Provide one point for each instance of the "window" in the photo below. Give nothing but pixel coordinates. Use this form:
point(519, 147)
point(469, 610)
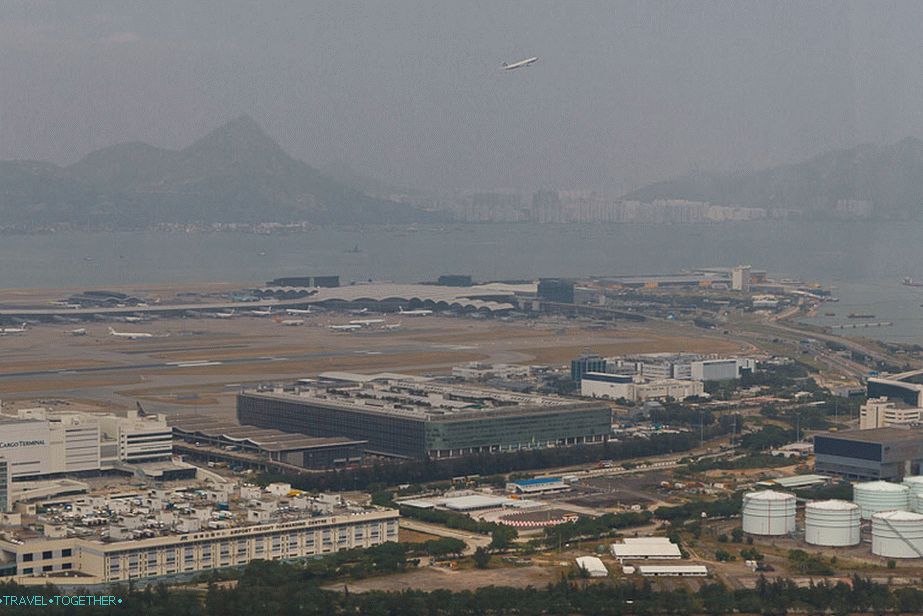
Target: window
point(47, 568)
point(46, 555)
point(66, 552)
point(66, 566)
point(27, 571)
point(27, 558)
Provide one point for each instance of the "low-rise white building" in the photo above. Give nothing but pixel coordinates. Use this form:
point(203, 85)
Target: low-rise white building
point(887, 412)
point(643, 548)
point(617, 386)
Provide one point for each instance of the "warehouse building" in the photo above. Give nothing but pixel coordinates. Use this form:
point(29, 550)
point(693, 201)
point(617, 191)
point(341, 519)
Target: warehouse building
point(881, 453)
point(403, 416)
point(232, 443)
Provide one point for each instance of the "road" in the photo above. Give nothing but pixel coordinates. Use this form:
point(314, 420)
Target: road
point(472, 540)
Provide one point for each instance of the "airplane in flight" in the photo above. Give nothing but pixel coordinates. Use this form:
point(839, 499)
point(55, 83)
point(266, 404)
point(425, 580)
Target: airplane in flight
point(414, 313)
point(345, 328)
point(520, 64)
point(130, 335)
point(296, 311)
point(366, 322)
point(14, 330)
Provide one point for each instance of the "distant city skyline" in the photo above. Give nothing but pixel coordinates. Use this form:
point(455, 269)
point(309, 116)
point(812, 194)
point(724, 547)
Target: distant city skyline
point(414, 94)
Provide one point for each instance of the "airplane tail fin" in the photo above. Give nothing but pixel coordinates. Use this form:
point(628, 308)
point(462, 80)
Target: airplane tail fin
point(111, 331)
point(504, 64)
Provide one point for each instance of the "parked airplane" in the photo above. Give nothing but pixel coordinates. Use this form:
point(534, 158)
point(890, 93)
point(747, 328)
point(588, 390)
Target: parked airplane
point(345, 328)
point(391, 325)
point(130, 335)
point(262, 313)
point(366, 322)
point(14, 330)
point(224, 315)
point(133, 319)
point(81, 331)
point(294, 311)
point(292, 322)
point(520, 64)
point(359, 311)
point(414, 313)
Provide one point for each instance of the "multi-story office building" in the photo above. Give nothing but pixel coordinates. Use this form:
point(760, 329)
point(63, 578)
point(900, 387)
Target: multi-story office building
point(885, 412)
point(409, 417)
point(556, 290)
point(586, 363)
point(5, 500)
point(909, 393)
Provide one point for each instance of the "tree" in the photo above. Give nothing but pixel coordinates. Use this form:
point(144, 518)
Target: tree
point(481, 558)
point(501, 537)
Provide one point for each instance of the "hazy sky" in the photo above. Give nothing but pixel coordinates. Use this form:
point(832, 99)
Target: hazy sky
point(412, 92)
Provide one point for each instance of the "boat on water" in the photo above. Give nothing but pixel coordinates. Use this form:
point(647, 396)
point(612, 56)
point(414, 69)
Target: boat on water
point(909, 282)
point(859, 315)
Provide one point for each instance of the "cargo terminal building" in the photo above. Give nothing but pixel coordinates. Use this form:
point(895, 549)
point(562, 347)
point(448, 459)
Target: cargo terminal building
point(880, 453)
point(416, 418)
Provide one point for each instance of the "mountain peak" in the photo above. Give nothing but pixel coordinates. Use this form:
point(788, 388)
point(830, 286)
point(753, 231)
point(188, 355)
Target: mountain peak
point(239, 140)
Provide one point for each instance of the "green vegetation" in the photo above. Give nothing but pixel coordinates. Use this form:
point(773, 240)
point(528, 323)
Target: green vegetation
point(809, 564)
point(293, 590)
point(460, 521)
point(743, 462)
point(594, 528)
point(481, 558)
point(720, 508)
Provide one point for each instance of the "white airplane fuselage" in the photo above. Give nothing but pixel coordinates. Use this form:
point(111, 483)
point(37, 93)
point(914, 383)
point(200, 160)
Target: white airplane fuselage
point(520, 64)
point(130, 335)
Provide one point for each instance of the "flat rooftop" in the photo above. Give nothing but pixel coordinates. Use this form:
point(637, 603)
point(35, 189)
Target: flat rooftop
point(426, 401)
point(192, 426)
point(877, 435)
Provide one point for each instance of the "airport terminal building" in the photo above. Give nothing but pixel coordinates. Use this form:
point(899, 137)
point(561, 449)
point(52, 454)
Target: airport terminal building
point(416, 418)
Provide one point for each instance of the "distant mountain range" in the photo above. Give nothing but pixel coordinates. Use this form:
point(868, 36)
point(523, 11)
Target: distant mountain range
point(889, 178)
point(236, 173)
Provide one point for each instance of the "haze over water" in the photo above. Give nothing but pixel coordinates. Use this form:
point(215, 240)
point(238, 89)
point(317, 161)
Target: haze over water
point(865, 262)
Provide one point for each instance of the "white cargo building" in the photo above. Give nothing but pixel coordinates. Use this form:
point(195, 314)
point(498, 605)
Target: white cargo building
point(37, 442)
point(618, 386)
point(593, 566)
point(644, 548)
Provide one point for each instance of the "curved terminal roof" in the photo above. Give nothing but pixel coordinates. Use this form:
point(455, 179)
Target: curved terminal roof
point(486, 297)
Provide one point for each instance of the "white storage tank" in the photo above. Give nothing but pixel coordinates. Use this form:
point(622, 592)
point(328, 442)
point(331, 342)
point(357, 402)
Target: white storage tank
point(897, 534)
point(831, 522)
point(769, 513)
point(875, 496)
point(915, 484)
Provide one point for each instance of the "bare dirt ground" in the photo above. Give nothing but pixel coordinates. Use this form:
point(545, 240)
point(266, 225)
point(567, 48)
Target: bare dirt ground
point(434, 578)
